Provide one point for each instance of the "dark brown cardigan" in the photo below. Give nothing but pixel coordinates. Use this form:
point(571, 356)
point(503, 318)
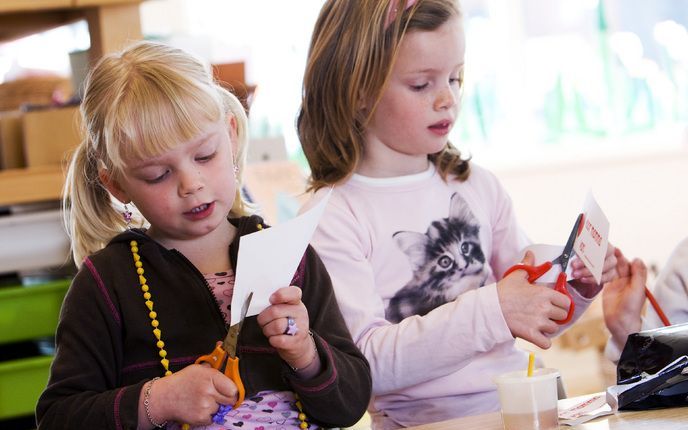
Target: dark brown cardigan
point(106, 349)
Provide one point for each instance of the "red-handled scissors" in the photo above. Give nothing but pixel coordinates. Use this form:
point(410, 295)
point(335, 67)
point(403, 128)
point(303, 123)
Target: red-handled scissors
point(535, 272)
point(224, 354)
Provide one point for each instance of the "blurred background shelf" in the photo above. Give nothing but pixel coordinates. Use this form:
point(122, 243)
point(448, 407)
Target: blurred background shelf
point(110, 22)
point(30, 190)
point(30, 185)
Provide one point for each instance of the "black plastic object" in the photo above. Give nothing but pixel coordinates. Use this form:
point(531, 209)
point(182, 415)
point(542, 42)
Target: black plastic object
point(648, 353)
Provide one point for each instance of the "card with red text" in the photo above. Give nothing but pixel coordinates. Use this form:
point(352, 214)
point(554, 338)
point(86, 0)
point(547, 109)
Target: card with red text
point(591, 244)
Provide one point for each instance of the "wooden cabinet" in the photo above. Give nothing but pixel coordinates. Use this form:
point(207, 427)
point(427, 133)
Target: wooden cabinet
point(112, 24)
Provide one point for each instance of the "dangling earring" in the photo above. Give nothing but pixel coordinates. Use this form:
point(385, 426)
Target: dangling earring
point(236, 173)
point(126, 214)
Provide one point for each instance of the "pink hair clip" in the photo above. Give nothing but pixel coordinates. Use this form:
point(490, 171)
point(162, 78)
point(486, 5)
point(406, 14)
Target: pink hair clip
point(392, 11)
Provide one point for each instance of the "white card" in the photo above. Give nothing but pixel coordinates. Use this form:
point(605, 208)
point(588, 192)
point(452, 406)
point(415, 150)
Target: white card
point(591, 244)
point(268, 259)
point(577, 410)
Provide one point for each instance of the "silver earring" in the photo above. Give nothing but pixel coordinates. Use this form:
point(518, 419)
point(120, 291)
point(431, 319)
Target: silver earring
point(126, 214)
point(236, 173)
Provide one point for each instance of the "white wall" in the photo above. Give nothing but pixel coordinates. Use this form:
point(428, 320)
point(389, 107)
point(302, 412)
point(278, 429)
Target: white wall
point(643, 195)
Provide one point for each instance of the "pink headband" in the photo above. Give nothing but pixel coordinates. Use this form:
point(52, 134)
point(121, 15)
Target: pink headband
point(392, 11)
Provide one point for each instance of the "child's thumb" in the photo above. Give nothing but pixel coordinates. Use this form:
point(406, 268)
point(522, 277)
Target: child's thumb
point(529, 258)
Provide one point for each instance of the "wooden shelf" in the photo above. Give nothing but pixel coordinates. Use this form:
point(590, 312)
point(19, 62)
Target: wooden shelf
point(23, 5)
point(111, 23)
point(30, 185)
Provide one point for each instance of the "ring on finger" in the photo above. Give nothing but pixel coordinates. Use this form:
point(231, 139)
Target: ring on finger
point(291, 329)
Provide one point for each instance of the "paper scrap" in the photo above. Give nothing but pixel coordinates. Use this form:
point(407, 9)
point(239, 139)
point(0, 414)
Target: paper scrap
point(580, 409)
point(268, 259)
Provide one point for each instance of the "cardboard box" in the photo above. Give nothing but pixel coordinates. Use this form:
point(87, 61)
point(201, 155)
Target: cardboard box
point(35, 90)
point(50, 135)
point(11, 140)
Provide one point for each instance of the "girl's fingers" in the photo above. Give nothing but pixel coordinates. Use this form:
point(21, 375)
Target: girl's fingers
point(557, 314)
point(639, 273)
point(226, 389)
point(286, 295)
point(623, 267)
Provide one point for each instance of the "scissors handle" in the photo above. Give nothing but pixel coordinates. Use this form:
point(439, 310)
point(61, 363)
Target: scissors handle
point(534, 272)
point(232, 372)
point(560, 286)
point(215, 359)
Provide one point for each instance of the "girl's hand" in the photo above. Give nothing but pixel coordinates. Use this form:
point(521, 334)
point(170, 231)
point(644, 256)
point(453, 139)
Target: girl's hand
point(609, 270)
point(623, 299)
point(297, 349)
point(190, 396)
point(530, 311)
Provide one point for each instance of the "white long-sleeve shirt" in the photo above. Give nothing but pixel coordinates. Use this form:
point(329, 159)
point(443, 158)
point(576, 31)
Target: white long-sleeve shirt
point(391, 244)
point(671, 290)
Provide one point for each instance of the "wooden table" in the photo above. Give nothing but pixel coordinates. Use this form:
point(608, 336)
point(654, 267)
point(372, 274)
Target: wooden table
point(660, 419)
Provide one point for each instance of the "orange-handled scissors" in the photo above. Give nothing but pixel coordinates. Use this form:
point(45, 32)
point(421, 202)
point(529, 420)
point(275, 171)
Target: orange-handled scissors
point(535, 272)
point(224, 354)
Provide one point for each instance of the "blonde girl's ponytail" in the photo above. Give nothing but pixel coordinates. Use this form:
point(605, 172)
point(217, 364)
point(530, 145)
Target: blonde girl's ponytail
point(89, 217)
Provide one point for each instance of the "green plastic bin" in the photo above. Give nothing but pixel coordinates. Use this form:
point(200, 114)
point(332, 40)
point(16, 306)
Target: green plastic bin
point(21, 383)
point(27, 313)
point(30, 312)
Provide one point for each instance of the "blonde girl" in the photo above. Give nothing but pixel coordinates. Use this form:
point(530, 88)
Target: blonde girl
point(153, 289)
point(415, 237)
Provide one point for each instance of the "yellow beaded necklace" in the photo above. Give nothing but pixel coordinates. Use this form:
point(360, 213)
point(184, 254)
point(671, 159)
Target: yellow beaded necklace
point(303, 424)
point(149, 304)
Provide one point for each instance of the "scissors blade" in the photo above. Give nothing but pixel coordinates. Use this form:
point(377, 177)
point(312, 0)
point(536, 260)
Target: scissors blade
point(232, 337)
point(563, 259)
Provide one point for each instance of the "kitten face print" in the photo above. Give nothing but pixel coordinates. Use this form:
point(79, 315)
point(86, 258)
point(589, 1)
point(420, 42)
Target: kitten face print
point(447, 260)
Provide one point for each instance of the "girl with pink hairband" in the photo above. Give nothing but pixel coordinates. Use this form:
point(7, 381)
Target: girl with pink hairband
point(415, 236)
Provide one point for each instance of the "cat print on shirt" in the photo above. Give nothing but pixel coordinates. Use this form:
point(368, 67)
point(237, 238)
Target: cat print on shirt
point(447, 260)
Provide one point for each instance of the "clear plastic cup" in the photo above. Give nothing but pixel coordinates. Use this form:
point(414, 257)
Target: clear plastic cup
point(529, 403)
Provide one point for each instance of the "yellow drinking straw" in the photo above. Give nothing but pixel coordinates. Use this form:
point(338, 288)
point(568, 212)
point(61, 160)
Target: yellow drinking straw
point(531, 362)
